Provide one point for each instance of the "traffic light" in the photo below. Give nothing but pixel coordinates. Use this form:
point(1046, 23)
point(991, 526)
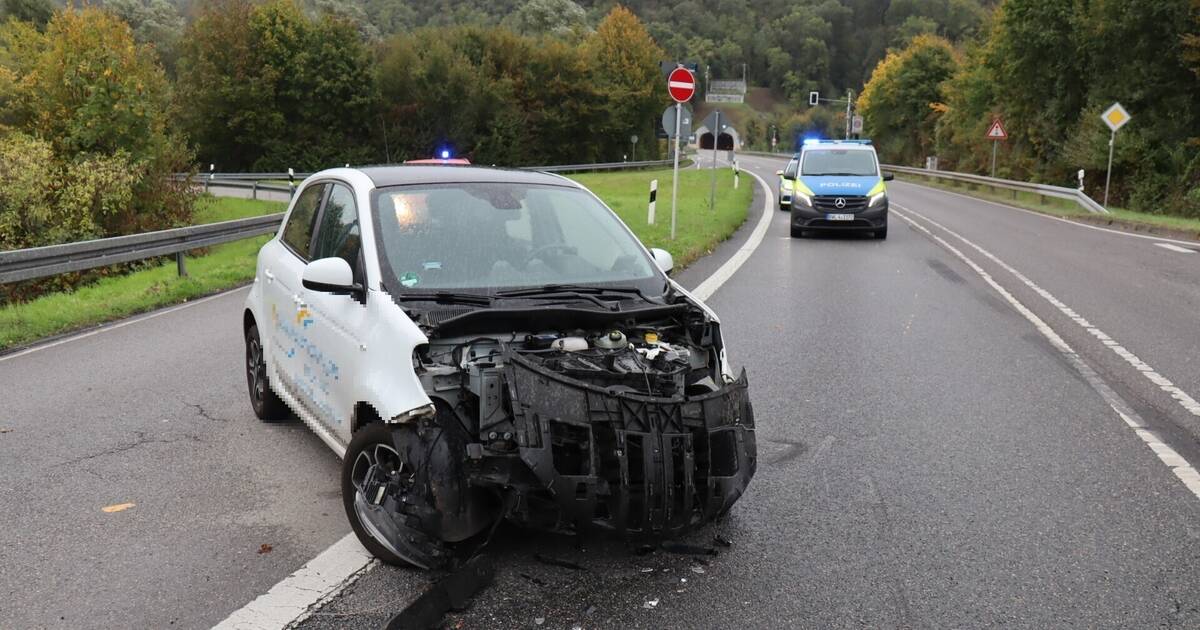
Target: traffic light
point(814, 98)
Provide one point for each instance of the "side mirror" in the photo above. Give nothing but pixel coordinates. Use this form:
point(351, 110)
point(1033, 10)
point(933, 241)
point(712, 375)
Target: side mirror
point(887, 177)
point(779, 173)
point(663, 259)
point(330, 275)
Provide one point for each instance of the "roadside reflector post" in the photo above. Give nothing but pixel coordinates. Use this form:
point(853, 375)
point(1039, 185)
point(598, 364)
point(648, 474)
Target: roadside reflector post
point(736, 173)
point(211, 167)
point(712, 192)
point(653, 198)
point(291, 182)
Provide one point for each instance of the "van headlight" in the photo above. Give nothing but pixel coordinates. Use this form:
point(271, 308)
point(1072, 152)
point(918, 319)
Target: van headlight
point(877, 200)
point(802, 198)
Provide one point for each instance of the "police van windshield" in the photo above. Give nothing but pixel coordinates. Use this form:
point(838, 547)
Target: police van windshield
point(483, 236)
point(845, 162)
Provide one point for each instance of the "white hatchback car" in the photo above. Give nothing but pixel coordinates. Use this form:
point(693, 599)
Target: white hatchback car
point(482, 344)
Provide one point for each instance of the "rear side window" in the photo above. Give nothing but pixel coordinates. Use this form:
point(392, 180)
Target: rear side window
point(298, 232)
point(339, 234)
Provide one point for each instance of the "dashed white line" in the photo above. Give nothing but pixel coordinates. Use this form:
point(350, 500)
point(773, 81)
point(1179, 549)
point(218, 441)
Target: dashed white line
point(1176, 248)
point(298, 595)
point(1173, 460)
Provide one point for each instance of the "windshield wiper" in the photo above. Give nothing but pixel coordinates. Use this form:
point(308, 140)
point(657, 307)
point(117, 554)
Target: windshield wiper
point(447, 297)
point(572, 288)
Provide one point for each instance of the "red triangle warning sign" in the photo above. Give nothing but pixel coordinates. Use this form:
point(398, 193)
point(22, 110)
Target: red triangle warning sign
point(996, 131)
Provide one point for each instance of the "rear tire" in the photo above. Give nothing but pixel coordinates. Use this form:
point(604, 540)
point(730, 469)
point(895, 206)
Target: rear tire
point(266, 403)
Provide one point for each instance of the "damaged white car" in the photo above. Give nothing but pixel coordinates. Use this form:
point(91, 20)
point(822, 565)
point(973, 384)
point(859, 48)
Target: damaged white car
point(484, 344)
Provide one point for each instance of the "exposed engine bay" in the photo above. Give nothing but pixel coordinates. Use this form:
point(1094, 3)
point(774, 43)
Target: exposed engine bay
point(626, 422)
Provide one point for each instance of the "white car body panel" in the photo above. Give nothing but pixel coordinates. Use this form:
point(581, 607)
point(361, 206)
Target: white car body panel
point(345, 352)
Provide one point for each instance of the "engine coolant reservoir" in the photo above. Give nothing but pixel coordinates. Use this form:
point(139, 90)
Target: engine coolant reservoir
point(612, 340)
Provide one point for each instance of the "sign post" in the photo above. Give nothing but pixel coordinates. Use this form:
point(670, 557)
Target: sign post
point(633, 148)
point(681, 84)
point(996, 133)
point(712, 193)
point(1115, 117)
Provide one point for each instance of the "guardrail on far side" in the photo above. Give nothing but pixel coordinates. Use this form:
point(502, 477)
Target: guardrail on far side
point(995, 183)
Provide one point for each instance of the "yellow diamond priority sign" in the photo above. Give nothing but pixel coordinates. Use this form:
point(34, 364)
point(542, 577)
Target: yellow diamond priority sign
point(1115, 117)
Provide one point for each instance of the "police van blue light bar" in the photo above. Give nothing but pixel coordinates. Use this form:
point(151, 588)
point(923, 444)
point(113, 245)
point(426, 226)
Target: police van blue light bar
point(811, 141)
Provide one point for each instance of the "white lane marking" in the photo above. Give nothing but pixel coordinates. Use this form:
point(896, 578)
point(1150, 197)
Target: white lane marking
point(1176, 248)
point(705, 289)
point(1052, 217)
point(120, 324)
point(1178, 465)
point(1163, 383)
point(344, 562)
point(295, 598)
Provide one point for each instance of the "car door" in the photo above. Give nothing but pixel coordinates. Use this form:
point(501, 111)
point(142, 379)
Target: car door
point(337, 323)
point(282, 272)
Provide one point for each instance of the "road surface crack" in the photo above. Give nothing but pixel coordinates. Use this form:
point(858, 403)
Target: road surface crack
point(140, 439)
point(203, 413)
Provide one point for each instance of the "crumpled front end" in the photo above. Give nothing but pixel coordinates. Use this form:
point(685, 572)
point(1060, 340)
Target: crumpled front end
point(629, 462)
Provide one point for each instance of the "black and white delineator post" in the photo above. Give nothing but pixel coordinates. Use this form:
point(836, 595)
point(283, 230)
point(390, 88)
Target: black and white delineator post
point(712, 193)
point(653, 200)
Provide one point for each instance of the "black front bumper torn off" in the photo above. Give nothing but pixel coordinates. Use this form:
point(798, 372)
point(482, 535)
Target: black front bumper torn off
point(631, 463)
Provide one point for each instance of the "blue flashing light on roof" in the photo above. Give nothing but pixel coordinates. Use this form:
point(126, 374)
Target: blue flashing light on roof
point(445, 154)
point(811, 141)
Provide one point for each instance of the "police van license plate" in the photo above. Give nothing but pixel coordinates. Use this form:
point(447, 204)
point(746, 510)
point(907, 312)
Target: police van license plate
point(839, 217)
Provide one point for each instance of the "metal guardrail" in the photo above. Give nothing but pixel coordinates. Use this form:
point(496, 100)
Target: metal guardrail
point(43, 262)
point(557, 168)
point(995, 183)
point(1061, 192)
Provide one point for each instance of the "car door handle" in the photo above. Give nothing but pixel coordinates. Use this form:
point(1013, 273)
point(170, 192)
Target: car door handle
point(270, 276)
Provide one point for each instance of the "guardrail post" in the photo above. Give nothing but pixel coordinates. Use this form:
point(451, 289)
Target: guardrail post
point(180, 265)
point(254, 190)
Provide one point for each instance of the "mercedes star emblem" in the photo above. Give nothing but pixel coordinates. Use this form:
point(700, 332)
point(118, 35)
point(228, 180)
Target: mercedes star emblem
point(840, 202)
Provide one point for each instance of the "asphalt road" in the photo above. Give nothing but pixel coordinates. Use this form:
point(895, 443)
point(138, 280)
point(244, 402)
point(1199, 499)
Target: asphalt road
point(928, 457)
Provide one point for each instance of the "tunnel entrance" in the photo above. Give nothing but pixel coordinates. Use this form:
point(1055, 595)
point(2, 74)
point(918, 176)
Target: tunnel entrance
point(724, 141)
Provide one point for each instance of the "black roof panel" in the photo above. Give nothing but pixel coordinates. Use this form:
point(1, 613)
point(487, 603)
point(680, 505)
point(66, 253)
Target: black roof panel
point(401, 175)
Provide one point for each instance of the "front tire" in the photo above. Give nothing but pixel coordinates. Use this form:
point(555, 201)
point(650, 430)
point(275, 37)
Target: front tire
point(266, 403)
point(797, 232)
point(881, 234)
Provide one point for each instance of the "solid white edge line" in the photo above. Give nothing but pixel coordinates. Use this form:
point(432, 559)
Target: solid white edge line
point(296, 597)
point(120, 324)
point(1051, 217)
point(705, 289)
point(300, 594)
point(1186, 473)
point(1185, 400)
point(1176, 248)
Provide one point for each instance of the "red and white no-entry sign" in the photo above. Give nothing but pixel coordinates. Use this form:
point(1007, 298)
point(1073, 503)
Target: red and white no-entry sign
point(681, 84)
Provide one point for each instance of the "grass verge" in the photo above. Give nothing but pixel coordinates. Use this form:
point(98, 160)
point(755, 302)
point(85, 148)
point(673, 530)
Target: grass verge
point(1119, 218)
point(226, 266)
point(697, 229)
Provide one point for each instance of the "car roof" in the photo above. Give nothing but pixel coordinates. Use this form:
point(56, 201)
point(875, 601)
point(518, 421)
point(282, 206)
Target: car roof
point(407, 174)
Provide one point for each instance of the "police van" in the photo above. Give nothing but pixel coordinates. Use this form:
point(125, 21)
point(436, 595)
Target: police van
point(837, 185)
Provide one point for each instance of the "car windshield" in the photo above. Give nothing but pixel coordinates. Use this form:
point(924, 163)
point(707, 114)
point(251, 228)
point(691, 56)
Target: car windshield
point(483, 236)
point(847, 162)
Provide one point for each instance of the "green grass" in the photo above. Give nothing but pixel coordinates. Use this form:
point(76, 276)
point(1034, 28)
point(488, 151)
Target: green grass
point(222, 267)
point(1117, 217)
point(697, 228)
point(232, 264)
